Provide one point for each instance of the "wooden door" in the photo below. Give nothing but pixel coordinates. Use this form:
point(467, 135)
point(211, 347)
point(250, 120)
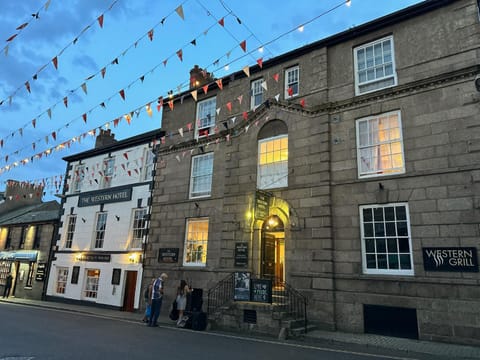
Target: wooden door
point(130, 286)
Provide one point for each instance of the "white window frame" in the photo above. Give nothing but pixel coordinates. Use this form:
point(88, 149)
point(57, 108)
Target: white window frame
point(292, 79)
point(385, 239)
point(201, 175)
point(100, 229)
point(380, 69)
point(379, 142)
point(196, 243)
point(78, 177)
point(139, 227)
point(256, 90)
point(62, 280)
point(70, 230)
point(148, 164)
point(92, 277)
point(266, 179)
point(108, 172)
point(206, 115)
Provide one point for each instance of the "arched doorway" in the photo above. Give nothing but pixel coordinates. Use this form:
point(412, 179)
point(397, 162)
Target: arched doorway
point(273, 249)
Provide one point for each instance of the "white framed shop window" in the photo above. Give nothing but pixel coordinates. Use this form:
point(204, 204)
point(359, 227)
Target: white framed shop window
point(91, 283)
point(61, 281)
point(196, 242)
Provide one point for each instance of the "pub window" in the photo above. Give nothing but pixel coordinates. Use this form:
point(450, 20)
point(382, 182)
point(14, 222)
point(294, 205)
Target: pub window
point(196, 241)
point(91, 283)
point(71, 223)
point(62, 277)
point(139, 227)
point(100, 226)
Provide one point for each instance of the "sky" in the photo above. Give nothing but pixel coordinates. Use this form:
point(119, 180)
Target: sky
point(71, 67)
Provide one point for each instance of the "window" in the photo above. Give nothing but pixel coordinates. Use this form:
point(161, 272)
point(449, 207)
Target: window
point(292, 76)
point(8, 240)
point(273, 162)
point(38, 236)
point(206, 111)
point(23, 236)
point(31, 272)
point(139, 227)
point(148, 164)
point(380, 145)
point(201, 176)
point(71, 223)
point(91, 283)
point(386, 243)
point(257, 94)
point(374, 66)
point(100, 226)
point(78, 176)
point(196, 240)
point(108, 170)
point(62, 277)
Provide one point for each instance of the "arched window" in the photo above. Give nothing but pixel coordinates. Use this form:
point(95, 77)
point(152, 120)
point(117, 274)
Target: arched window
point(272, 166)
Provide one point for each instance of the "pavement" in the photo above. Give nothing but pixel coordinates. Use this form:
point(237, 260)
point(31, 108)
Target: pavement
point(409, 346)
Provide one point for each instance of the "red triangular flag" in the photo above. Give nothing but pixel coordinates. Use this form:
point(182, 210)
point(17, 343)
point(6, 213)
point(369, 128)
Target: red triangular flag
point(27, 85)
point(170, 104)
point(275, 77)
point(115, 122)
point(220, 84)
point(55, 62)
point(245, 115)
point(103, 71)
point(54, 135)
point(150, 35)
point(12, 37)
point(222, 21)
point(229, 106)
point(84, 116)
point(243, 45)
point(302, 103)
point(260, 62)
point(100, 21)
point(34, 122)
point(122, 94)
point(23, 26)
point(205, 89)
point(180, 54)
point(65, 101)
point(290, 91)
point(125, 155)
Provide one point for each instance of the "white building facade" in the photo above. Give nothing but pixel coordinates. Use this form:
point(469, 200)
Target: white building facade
point(104, 223)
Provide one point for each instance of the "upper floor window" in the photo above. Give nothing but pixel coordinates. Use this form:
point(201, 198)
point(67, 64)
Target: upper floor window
point(8, 240)
point(108, 171)
point(37, 237)
point(386, 243)
point(196, 241)
point(100, 226)
point(201, 175)
point(23, 237)
point(206, 111)
point(148, 158)
point(78, 176)
point(257, 93)
point(374, 66)
point(380, 145)
point(273, 162)
point(71, 223)
point(292, 78)
point(139, 227)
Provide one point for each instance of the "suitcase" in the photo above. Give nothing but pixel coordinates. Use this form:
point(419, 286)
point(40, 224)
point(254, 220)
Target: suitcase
point(199, 321)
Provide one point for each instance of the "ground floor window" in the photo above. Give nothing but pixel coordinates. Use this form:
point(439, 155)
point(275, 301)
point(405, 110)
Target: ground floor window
point(31, 268)
point(5, 267)
point(196, 241)
point(91, 283)
point(62, 277)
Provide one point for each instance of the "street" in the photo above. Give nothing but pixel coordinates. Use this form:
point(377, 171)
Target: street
point(38, 333)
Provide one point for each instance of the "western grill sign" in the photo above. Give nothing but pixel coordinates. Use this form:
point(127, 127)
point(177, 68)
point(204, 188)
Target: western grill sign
point(450, 259)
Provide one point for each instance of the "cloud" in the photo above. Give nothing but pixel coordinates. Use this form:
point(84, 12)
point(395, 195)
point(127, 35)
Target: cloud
point(85, 61)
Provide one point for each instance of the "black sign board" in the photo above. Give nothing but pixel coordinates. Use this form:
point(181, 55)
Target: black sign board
point(168, 255)
point(116, 276)
point(94, 257)
point(111, 195)
point(75, 272)
point(40, 274)
point(261, 290)
point(242, 286)
point(241, 254)
point(262, 204)
point(450, 259)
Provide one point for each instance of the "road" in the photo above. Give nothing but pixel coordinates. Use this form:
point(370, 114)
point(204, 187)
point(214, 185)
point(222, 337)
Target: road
point(36, 333)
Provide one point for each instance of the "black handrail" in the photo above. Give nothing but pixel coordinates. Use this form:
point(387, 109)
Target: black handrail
point(220, 294)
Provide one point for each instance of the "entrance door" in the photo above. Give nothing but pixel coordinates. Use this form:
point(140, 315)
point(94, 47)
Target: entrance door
point(129, 296)
point(273, 249)
point(268, 261)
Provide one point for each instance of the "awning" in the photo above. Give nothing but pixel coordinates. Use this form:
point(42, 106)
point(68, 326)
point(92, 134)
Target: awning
point(20, 255)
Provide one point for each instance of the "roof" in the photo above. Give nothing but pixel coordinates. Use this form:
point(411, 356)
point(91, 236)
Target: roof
point(38, 213)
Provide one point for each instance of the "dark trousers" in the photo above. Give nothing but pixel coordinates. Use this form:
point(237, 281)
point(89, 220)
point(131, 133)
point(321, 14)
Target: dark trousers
point(6, 291)
point(155, 311)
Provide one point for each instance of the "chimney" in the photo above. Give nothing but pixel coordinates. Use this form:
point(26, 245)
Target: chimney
point(106, 137)
point(199, 77)
point(18, 194)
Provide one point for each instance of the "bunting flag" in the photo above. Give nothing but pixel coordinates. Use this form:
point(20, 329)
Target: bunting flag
point(275, 77)
point(84, 88)
point(205, 89)
point(180, 54)
point(55, 62)
point(264, 85)
point(84, 116)
point(219, 84)
point(150, 35)
point(194, 94)
point(222, 21)
point(103, 71)
point(54, 135)
point(277, 97)
point(302, 103)
point(34, 123)
point(122, 94)
point(180, 131)
point(245, 115)
point(49, 113)
point(170, 104)
point(65, 101)
point(27, 85)
point(149, 110)
point(229, 106)
point(240, 98)
point(193, 42)
point(12, 37)
point(100, 21)
point(179, 11)
point(165, 62)
point(246, 70)
point(125, 155)
point(243, 45)
point(260, 62)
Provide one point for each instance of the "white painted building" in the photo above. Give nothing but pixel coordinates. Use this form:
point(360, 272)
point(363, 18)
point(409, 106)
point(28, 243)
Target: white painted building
point(104, 223)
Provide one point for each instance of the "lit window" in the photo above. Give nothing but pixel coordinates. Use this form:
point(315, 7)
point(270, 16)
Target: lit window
point(196, 241)
point(78, 176)
point(273, 162)
point(380, 145)
point(108, 171)
point(100, 227)
point(139, 227)
point(374, 66)
point(386, 243)
point(201, 176)
point(206, 111)
point(91, 283)
point(31, 272)
point(62, 277)
point(257, 93)
point(292, 78)
point(71, 223)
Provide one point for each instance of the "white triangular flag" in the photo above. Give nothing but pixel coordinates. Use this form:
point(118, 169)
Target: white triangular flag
point(264, 85)
point(277, 97)
point(180, 131)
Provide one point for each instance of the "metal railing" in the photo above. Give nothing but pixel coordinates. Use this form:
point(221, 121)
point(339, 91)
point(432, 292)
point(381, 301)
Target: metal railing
point(220, 294)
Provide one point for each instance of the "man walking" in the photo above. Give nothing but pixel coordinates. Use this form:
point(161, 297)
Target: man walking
point(8, 285)
point(156, 299)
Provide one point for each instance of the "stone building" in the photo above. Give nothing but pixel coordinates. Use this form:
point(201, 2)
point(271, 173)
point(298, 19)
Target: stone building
point(28, 227)
point(104, 223)
point(347, 168)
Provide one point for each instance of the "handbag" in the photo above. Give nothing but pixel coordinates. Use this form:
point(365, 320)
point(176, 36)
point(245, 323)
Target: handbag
point(173, 315)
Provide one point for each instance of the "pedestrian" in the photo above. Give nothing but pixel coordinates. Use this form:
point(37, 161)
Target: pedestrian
point(156, 299)
point(147, 295)
point(8, 285)
point(183, 291)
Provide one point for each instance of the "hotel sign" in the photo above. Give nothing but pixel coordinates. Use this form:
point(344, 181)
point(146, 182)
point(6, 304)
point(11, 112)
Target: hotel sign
point(94, 257)
point(450, 259)
point(262, 204)
point(106, 196)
